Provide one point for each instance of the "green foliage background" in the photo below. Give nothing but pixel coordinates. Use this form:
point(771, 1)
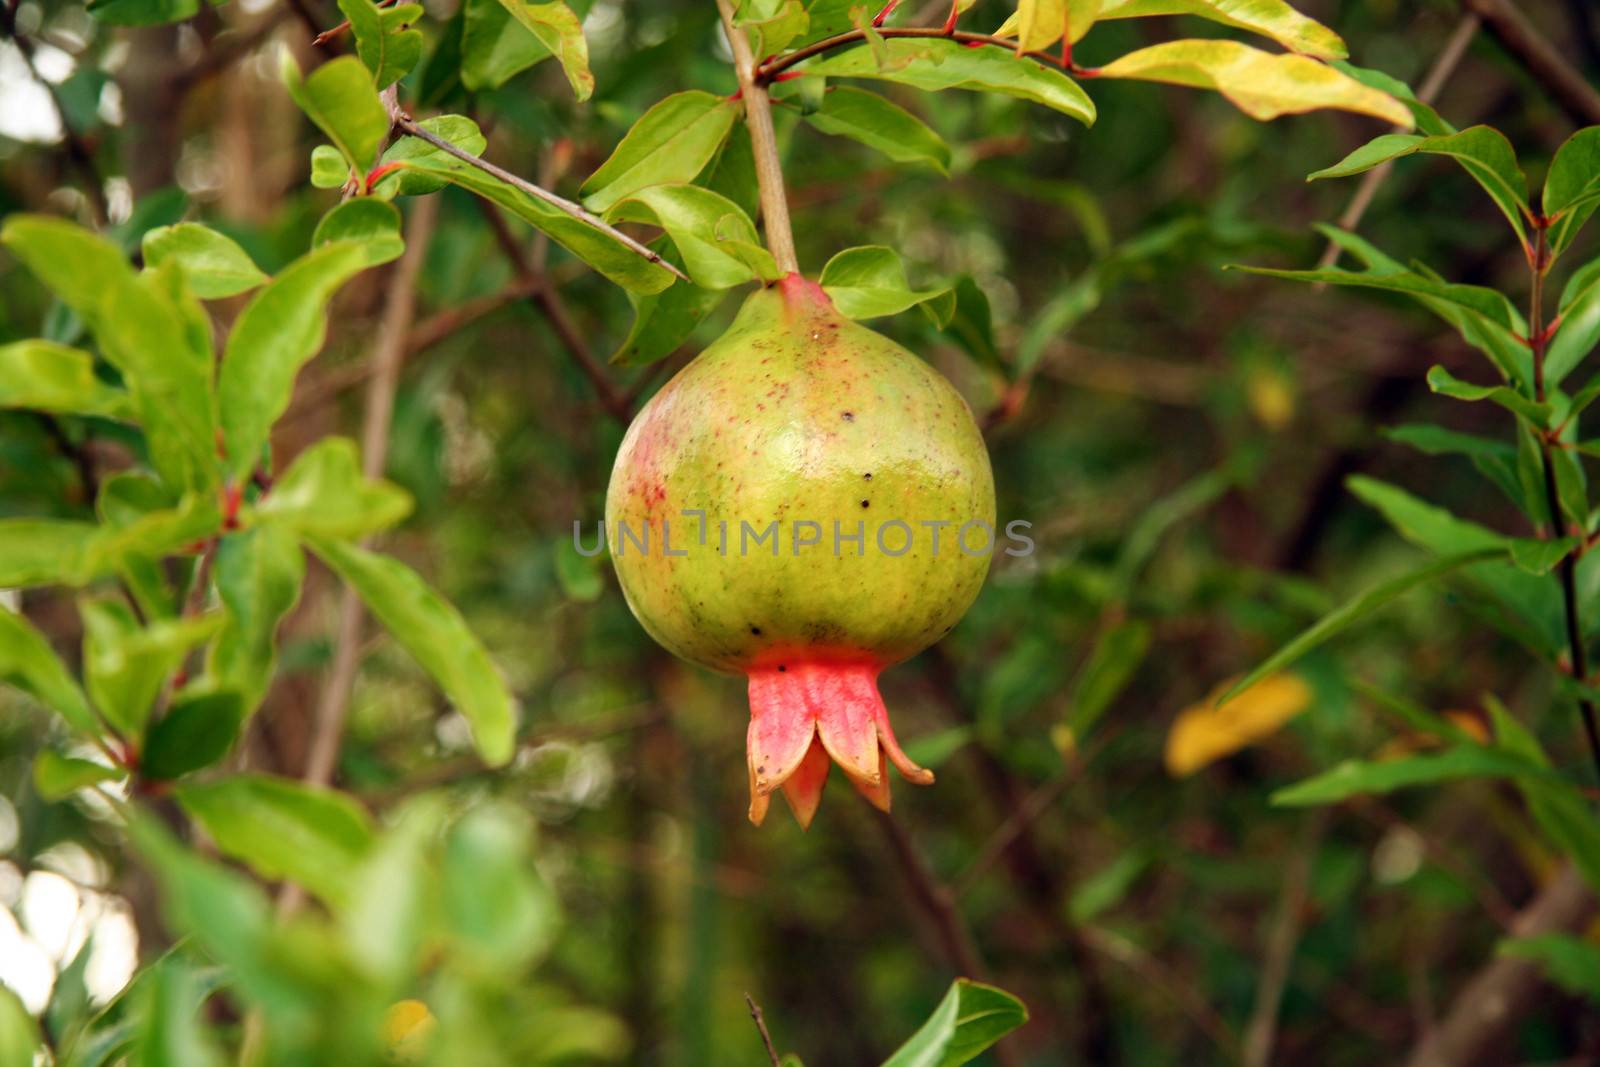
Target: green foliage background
point(1179, 437)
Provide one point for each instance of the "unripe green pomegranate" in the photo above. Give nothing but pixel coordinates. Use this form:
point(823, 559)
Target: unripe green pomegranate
point(805, 504)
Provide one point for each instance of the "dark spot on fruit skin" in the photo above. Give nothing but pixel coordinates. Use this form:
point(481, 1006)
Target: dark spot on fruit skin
point(866, 503)
point(867, 476)
point(781, 668)
point(756, 630)
point(849, 416)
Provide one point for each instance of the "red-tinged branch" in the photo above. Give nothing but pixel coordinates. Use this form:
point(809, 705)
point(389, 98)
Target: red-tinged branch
point(768, 71)
point(1567, 572)
point(764, 142)
point(409, 127)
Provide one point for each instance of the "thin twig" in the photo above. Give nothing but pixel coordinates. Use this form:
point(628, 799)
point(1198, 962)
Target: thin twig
point(1261, 1031)
point(560, 203)
point(1443, 66)
point(1565, 83)
point(1503, 991)
point(545, 297)
point(387, 352)
point(766, 72)
point(764, 143)
point(761, 1025)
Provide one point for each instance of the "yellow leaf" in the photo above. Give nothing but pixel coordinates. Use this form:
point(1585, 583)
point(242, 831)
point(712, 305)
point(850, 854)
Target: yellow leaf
point(1263, 85)
point(1206, 732)
point(1271, 398)
point(1038, 24)
point(407, 1026)
point(1270, 18)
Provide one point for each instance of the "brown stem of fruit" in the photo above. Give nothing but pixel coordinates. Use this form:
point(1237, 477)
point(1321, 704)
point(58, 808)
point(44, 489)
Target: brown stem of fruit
point(764, 141)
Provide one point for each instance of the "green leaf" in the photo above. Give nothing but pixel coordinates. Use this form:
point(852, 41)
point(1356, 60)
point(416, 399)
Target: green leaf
point(284, 829)
point(971, 323)
point(227, 915)
point(701, 224)
point(196, 732)
point(282, 327)
point(1572, 187)
point(1443, 382)
point(43, 376)
point(1579, 330)
point(578, 575)
point(324, 493)
point(595, 246)
point(557, 28)
point(772, 24)
point(328, 168)
point(141, 332)
point(1571, 962)
point(1117, 654)
point(1359, 778)
point(1105, 887)
point(436, 635)
point(259, 574)
point(1427, 119)
point(142, 12)
point(935, 63)
point(1269, 18)
point(1261, 84)
point(1424, 524)
point(385, 44)
point(880, 124)
point(369, 223)
point(457, 129)
point(43, 551)
point(1482, 151)
point(171, 1030)
point(663, 321)
point(671, 143)
point(57, 777)
point(493, 47)
point(870, 281)
point(19, 1033)
point(340, 98)
point(497, 910)
point(125, 665)
point(971, 1017)
point(391, 908)
point(1353, 611)
point(213, 263)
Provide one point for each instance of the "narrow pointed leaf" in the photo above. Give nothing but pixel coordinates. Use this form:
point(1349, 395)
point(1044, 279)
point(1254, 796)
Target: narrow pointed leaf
point(881, 124)
point(671, 143)
point(213, 263)
point(41, 375)
point(436, 635)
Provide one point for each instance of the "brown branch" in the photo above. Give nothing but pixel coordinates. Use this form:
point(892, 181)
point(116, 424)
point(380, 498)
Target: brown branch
point(435, 328)
point(1432, 85)
point(1261, 1031)
point(1505, 988)
point(545, 297)
point(761, 1025)
point(560, 203)
point(387, 351)
point(764, 142)
point(1519, 36)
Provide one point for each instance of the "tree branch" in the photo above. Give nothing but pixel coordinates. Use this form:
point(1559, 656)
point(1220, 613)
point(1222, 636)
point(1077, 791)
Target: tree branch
point(561, 203)
point(1503, 990)
point(768, 71)
point(1519, 36)
point(1444, 66)
point(761, 1025)
point(387, 352)
point(545, 297)
point(764, 141)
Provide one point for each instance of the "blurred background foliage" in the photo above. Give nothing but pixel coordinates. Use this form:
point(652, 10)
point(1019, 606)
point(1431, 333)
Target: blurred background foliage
point(1179, 448)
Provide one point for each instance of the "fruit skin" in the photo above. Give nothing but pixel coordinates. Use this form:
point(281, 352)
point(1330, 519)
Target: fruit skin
point(799, 415)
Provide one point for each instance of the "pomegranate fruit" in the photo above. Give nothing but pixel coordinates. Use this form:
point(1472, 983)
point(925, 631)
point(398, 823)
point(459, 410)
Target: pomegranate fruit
point(802, 505)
